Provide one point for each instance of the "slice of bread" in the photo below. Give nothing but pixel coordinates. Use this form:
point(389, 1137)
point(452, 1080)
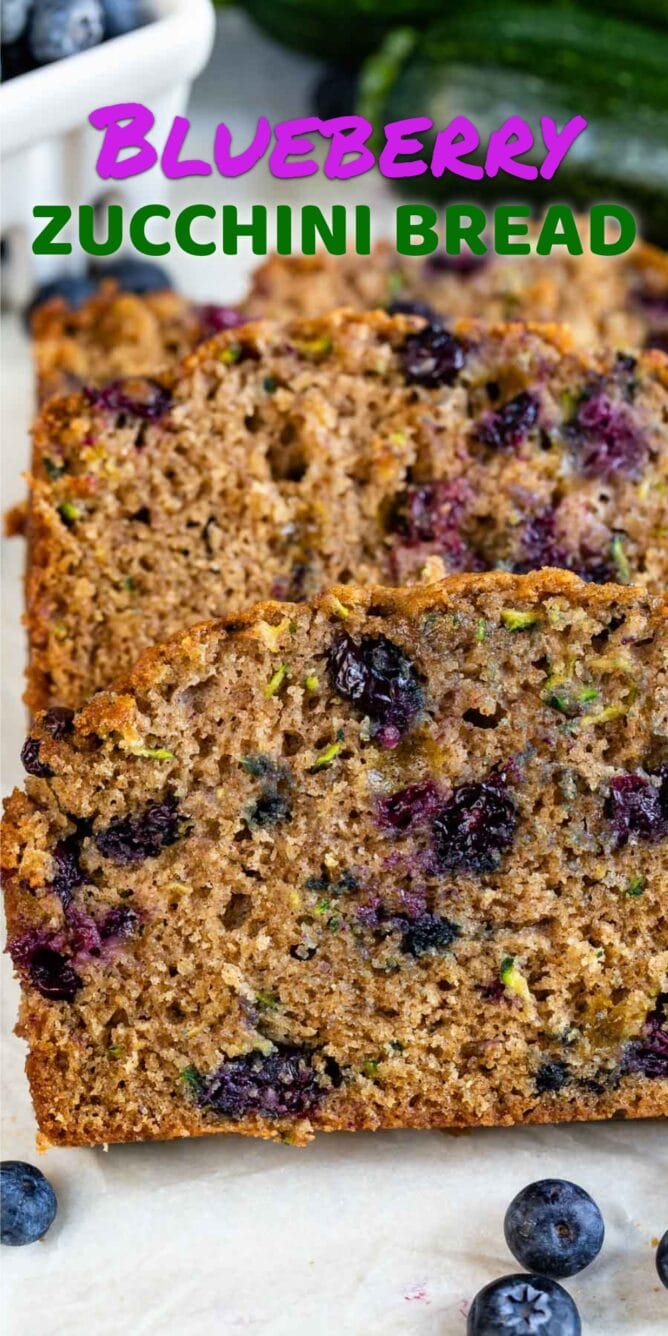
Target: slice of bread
point(620, 302)
point(388, 859)
point(279, 458)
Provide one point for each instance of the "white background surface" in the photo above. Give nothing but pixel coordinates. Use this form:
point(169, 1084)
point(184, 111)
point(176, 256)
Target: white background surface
point(369, 1235)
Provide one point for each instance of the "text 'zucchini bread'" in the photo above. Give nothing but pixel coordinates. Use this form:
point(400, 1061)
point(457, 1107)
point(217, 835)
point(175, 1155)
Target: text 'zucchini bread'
point(620, 302)
point(388, 859)
point(280, 458)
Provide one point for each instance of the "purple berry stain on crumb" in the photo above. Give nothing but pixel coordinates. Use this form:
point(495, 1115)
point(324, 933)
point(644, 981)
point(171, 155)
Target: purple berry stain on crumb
point(476, 827)
point(637, 807)
point(432, 357)
point(541, 545)
point(380, 680)
point(214, 318)
point(428, 934)
point(280, 1084)
point(120, 923)
point(606, 437)
point(141, 398)
point(509, 426)
point(131, 839)
point(83, 934)
point(648, 1054)
point(428, 518)
point(409, 808)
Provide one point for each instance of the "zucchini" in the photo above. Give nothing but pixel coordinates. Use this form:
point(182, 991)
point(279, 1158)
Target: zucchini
point(646, 11)
point(488, 63)
point(342, 32)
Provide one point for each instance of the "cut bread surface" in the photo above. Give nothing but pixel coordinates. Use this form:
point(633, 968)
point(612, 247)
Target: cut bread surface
point(280, 457)
point(386, 859)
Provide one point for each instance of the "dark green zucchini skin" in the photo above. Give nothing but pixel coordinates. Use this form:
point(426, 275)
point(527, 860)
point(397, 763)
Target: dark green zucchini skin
point(489, 62)
point(645, 11)
point(342, 32)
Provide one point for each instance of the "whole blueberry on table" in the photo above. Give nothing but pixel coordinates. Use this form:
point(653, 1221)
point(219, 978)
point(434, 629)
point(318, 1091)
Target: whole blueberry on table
point(662, 1260)
point(13, 19)
point(139, 276)
point(554, 1227)
point(523, 1305)
point(121, 16)
point(28, 1203)
point(61, 28)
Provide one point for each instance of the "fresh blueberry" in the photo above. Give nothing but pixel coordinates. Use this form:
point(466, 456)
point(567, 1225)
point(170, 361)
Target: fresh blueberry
point(61, 28)
point(637, 807)
point(282, 1083)
point(17, 58)
point(121, 16)
point(554, 1227)
point(648, 1055)
point(13, 19)
point(475, 828)
point(72, 290)
point(131, 839)
point(335, 92)
point(139, 276)
point(429, 934)
point(377, 677)
point(523, 1305)
point(432, 357)
point(662, 1260)
point(28, 1203)
point(508, 427)
point(141, 397)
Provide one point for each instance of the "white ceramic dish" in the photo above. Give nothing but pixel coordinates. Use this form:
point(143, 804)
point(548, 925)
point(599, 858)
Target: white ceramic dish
point(48, 147)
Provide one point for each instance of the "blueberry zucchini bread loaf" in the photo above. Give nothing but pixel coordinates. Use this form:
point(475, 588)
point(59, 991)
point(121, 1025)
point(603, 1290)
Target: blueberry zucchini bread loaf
point(387, 859)
point(620, 302)
point(280, 458)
